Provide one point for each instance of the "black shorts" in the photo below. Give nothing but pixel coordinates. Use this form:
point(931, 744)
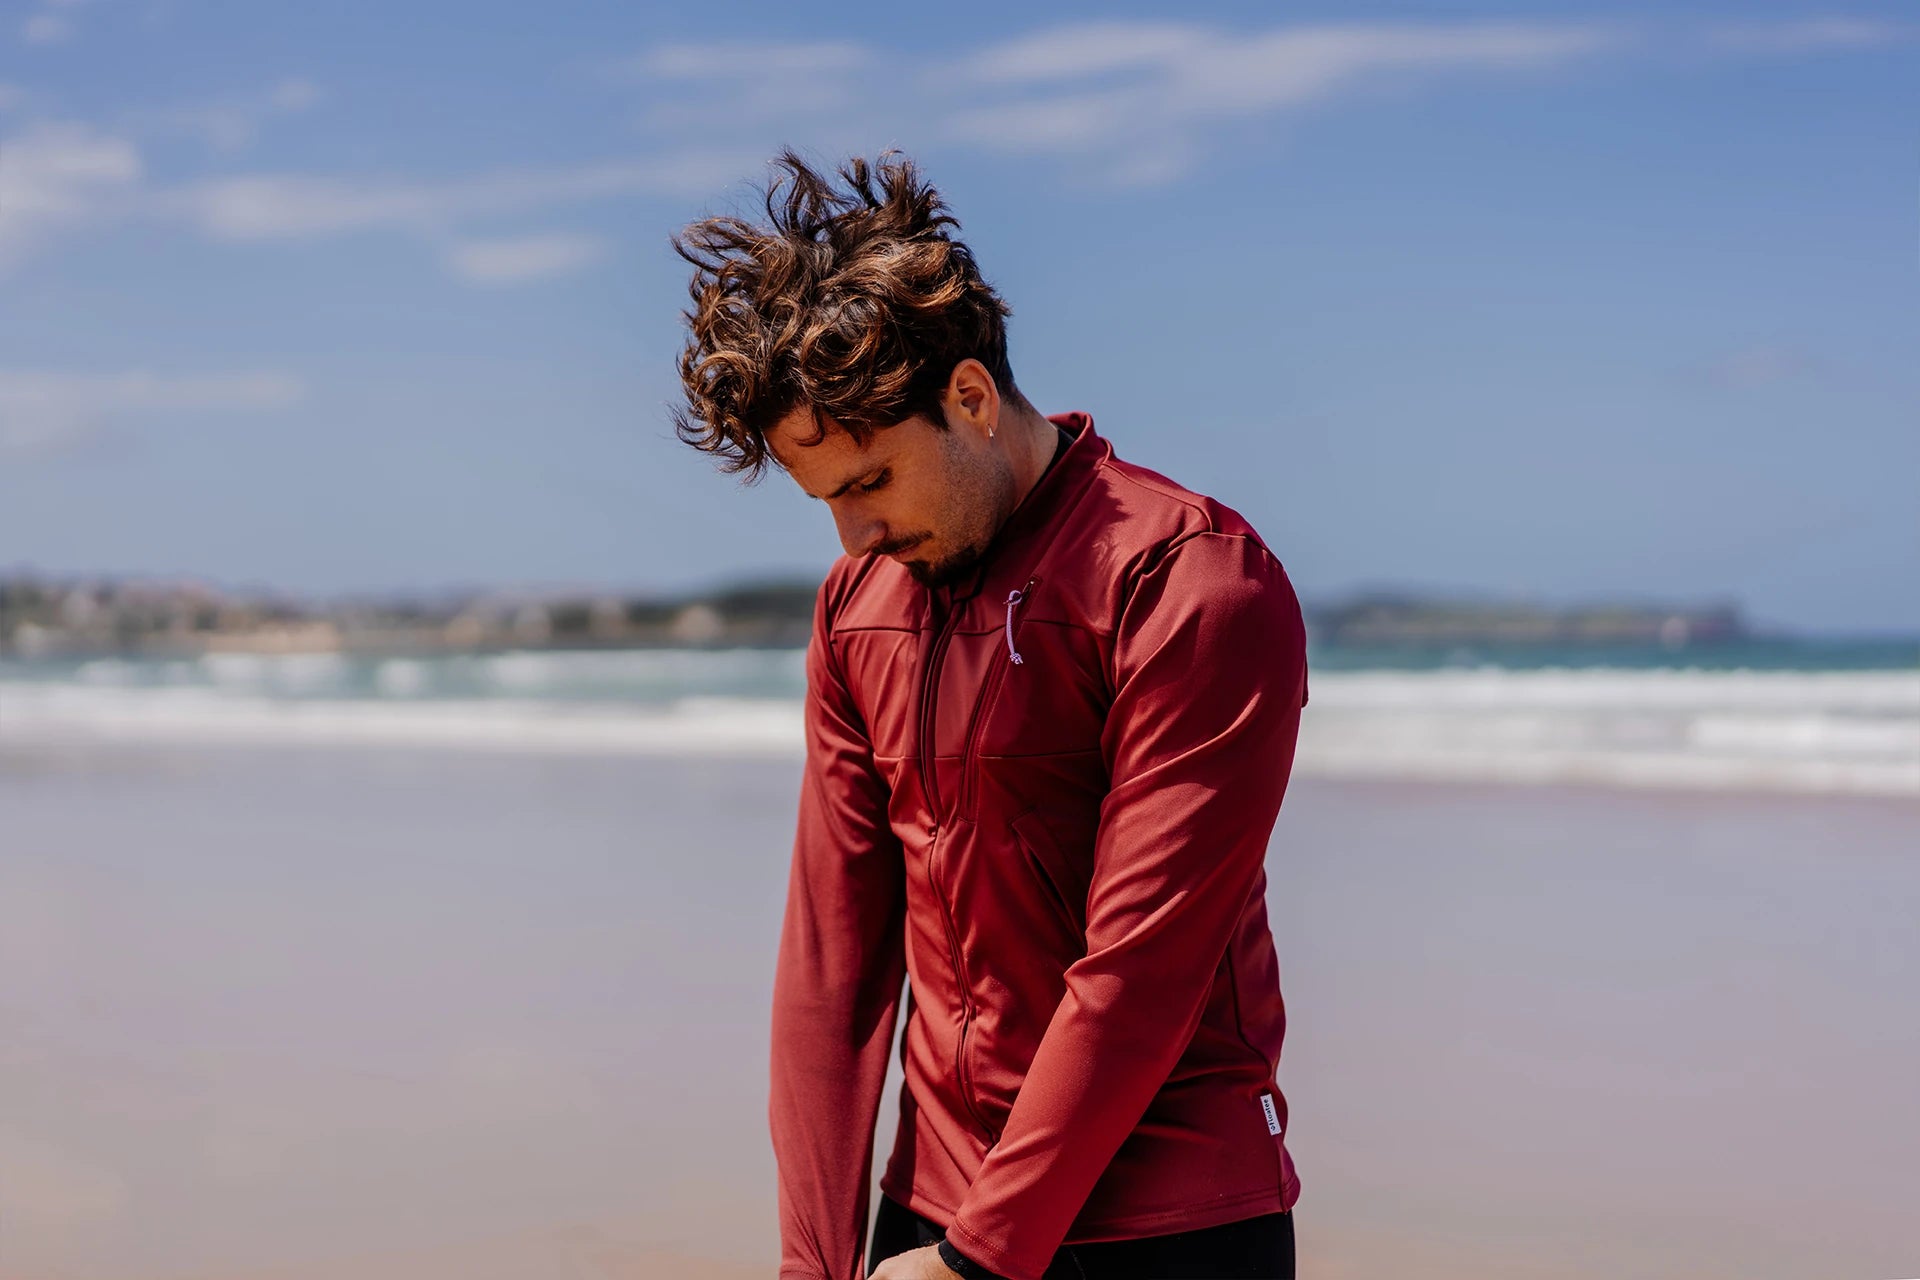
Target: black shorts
point(1258, 1248)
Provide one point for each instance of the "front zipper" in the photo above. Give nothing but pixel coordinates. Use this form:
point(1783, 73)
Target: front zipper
point(960, 1073)
point(929, 682)
point(1004, 658)
point(929, 782)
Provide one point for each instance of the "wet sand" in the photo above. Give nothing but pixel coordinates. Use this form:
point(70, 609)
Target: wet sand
point(318, 1013)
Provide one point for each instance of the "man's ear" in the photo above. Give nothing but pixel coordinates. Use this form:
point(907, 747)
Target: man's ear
point(972, 401)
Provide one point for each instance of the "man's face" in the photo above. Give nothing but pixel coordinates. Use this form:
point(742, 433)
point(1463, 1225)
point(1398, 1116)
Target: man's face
point(929, 498)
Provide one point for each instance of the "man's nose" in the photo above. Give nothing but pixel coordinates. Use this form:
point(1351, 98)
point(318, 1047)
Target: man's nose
point(859, 534)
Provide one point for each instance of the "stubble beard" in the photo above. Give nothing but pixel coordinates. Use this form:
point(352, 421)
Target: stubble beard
point(991, 489)
point(945, 572)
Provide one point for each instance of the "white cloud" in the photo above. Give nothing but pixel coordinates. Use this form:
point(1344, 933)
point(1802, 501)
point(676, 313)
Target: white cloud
point(54, 176)
point(296, 206)
point(748, 60)
point(294, 95)
point(1137, 100)
point(728, 84)
point(222, 128)
point(1061, 122)
point(1286, 68)
point(1759, 365)
point(1134, 90)
point(1812, 36)
point(520, 258)
point(232, 123)
point(1133, 98)
point(291, 206)
point(1133, 102)
point(48, 26)
point(1083, 49)
point(45, 28)
point(41, 412)
point(58, 177)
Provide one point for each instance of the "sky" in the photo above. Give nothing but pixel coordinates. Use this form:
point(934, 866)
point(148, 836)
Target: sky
point(1534, 301)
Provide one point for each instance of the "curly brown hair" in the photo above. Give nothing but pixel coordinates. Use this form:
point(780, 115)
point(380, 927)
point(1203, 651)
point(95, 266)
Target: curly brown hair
point(856, 303)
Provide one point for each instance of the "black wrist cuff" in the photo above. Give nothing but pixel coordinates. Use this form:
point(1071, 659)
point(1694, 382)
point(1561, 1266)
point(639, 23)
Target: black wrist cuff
point(961, 1265)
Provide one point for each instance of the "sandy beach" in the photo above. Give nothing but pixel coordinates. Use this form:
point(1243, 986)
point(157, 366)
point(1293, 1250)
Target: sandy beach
point(300, 1013)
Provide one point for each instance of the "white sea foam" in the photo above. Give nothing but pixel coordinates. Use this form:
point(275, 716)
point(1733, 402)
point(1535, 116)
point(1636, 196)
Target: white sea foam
point(723, 726)
point(636, 670)
point(294, 673)
point(1837, 732)
point(1855, 732)
point(403, 677)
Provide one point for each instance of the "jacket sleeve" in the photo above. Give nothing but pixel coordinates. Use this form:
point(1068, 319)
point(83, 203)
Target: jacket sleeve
point(837, 983)
point(1209, 672)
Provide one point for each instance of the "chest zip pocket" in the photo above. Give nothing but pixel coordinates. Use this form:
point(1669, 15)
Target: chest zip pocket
point(1013, 601)
point(970, 762)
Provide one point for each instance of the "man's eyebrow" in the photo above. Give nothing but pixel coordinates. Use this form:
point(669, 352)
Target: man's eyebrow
point(870, 471)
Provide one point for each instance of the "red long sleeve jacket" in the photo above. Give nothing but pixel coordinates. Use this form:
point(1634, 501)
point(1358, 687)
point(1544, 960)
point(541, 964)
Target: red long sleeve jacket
point(1044, 795)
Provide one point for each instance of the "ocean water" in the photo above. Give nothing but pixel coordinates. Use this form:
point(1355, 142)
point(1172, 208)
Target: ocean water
point(1786, 716)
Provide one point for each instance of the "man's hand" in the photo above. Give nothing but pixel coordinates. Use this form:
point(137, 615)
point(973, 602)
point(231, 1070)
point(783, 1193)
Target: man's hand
point(915, 1264)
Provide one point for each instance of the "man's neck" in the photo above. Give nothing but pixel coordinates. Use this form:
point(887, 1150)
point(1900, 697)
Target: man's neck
point(1033, 446)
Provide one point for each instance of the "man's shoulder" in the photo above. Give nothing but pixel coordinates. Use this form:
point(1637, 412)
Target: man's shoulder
point(1159, 508)
point(1200, 556)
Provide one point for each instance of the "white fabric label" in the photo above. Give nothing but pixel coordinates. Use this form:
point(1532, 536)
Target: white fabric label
point(1273, 1118)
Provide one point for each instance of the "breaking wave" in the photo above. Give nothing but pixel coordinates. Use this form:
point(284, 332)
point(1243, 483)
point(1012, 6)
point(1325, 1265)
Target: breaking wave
point(1802, 731)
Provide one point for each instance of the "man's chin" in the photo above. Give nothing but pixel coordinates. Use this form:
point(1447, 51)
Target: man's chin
point(940, 573)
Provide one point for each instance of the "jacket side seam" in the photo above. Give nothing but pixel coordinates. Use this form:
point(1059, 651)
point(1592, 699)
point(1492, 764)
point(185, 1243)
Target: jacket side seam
point(1273, 1067)
point(1239, 1017)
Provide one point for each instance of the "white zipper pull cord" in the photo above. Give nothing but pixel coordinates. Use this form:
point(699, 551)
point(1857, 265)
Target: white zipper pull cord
point(1014, 598)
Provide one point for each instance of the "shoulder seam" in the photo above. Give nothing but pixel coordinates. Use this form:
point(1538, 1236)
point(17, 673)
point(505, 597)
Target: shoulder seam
point(1182, 497)
point(1192, 535)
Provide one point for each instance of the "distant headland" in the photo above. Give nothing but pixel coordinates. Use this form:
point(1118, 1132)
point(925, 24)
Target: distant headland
point(48, 616)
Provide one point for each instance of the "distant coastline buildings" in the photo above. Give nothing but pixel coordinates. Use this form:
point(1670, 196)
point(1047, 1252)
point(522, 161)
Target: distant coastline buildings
point(48, 617)
point(1383, 619)
point(55, 617)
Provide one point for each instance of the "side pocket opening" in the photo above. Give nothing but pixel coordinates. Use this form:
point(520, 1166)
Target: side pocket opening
point(1049, 869)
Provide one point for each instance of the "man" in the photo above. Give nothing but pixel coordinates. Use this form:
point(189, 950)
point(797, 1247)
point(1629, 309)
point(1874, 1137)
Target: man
point(1051, 708)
